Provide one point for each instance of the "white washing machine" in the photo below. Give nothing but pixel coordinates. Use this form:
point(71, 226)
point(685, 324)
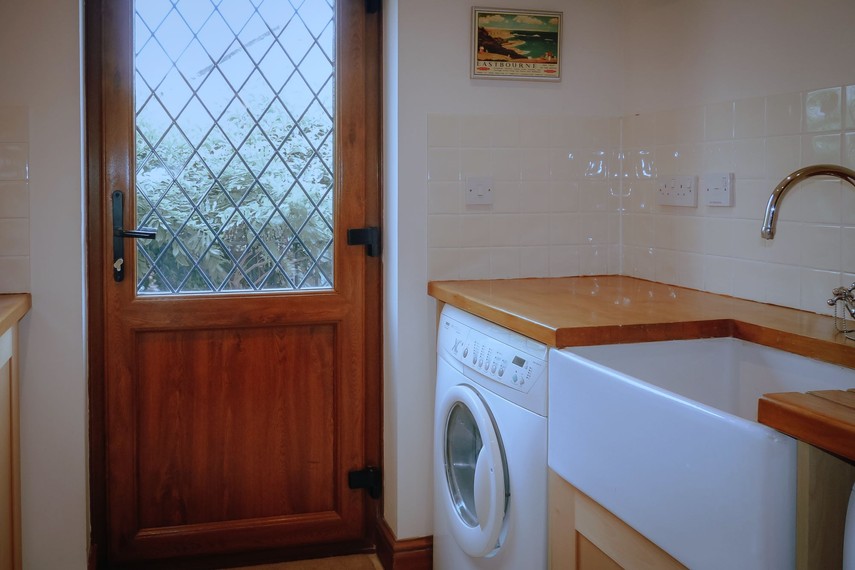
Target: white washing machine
point(490, 467)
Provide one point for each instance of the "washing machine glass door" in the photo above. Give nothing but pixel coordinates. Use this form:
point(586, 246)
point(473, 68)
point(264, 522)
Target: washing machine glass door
point(476, 473)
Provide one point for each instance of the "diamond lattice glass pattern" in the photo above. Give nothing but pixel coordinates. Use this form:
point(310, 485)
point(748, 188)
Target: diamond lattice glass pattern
point(234, 125)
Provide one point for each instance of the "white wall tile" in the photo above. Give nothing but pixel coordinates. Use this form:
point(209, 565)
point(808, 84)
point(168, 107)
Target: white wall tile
point(14, 199)
point(533, 229)
point(475, 162)
point(784, 114)
point(593, 260)
point(718, 121)
point(749, 281)
point(443, 165)
point(783, 156)
point(475, 263)
point(443, 230)
point(749, 118)
point(816, 289)
point(783, 284)
point(718, 275)
point(718, 237)
point(849, 150)
point(506, 131)
point(475, 230)
point(505, 263)
point(564, 197)
point(564, 229)
point(507, 197)
point(821, 247)
point(815, 200)
point(14, 236)
point(822, 110)
point(505, 164)
point(444, 263)
point(535, 197)
point(849, 107)
point(14, 161)
point(477, 131)
point(821, 149)
point(534, 165)
point(690, 270)
point(14, 274)
point(749, 158)
point(504, 230)
point(563, 260)
point(444, 197)
point(534, 261)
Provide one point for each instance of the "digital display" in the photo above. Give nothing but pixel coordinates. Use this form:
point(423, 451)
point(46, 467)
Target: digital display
point(519, 361)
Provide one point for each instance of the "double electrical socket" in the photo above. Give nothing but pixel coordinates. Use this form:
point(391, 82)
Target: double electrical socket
point(678, 191)
point(715, 189)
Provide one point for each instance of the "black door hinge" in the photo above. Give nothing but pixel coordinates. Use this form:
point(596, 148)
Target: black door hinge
point(372, 6)
point(369, 478)
point(369, 237)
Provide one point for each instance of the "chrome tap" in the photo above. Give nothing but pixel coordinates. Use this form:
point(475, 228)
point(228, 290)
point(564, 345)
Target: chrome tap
point(768, 230)
point(846, 296)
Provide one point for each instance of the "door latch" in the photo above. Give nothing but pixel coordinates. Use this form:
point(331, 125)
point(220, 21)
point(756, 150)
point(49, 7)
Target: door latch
point(369, 478)
point(369, 237)
point(119, 235)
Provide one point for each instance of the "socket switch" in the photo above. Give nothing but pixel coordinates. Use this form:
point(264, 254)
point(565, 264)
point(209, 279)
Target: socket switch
point(717, 189)
point(479, 190)
point(678, 191)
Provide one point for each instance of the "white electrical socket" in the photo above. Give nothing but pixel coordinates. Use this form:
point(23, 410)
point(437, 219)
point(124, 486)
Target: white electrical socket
point(717, 189)
point(678, 191)
point(479, 190)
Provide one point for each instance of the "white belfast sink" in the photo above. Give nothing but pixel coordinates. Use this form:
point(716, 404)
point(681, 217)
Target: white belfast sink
point(664, 435)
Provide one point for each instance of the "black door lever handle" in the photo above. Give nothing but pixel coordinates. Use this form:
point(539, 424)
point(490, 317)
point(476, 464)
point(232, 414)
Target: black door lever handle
point(141, 233)
point(119, 235)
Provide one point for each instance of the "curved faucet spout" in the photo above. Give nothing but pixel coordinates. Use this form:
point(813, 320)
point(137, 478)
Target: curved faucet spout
point(768, 230)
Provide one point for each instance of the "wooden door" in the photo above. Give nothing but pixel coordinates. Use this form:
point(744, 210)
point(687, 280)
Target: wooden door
point(231, 389)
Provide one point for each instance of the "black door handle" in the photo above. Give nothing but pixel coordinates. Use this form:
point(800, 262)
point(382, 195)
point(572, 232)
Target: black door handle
point(119, 235)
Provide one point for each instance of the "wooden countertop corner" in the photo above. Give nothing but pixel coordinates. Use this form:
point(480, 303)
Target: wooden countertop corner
point(13, 307)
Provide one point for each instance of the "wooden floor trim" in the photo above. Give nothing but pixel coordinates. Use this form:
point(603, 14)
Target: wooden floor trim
point(409, 554)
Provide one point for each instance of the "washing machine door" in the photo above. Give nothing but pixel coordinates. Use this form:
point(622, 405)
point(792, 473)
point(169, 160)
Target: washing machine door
point(476, 491)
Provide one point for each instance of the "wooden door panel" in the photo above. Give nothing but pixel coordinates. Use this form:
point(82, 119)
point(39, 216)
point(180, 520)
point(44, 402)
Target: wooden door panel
point(236, 441)
point(235, 424)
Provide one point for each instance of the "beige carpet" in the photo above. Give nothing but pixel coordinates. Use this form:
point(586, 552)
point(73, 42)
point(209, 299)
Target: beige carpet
point(354, 562)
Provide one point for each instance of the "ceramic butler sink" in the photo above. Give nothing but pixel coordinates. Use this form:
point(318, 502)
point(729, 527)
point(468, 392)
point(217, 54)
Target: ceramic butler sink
point(664, 435)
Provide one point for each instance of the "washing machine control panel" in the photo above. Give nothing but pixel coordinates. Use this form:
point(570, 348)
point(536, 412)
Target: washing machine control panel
point(504, 362)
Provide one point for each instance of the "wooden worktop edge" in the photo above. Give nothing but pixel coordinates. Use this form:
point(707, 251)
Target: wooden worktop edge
point(810, 419)
point(13, 307)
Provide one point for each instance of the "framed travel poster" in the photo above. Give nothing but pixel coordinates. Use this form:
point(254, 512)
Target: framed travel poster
point(515, 44)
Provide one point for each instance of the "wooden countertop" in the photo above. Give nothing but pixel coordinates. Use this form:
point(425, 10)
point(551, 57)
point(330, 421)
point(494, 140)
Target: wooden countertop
point(12, 308)
point(824, 418)
point(578, 311)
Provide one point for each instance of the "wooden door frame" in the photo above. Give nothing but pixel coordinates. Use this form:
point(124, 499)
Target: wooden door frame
point(94, 78)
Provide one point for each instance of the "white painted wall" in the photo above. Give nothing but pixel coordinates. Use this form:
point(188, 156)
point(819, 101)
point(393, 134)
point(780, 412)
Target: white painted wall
point(40, 68)
point(427, 46)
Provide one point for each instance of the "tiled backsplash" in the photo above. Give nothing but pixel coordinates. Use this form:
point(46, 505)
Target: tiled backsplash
point(717, 249)
point(555, 208)
point(14, 200)
point(578, 196)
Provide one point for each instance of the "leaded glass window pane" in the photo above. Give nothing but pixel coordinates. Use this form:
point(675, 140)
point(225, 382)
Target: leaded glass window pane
point(234, 130)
